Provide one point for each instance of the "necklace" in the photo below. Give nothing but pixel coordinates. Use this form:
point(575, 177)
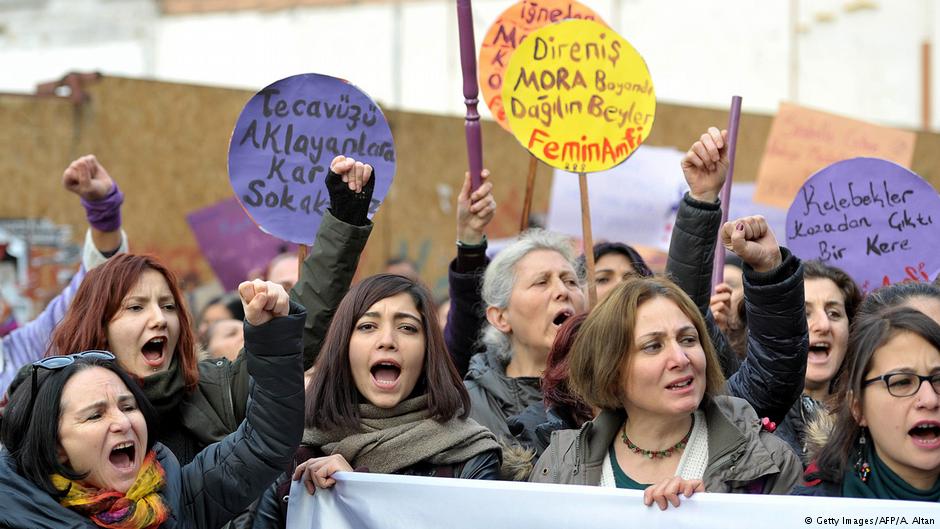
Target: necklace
point(656, 454)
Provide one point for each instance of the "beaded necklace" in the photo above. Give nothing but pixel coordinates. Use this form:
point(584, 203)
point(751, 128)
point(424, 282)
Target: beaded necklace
point(655, 454)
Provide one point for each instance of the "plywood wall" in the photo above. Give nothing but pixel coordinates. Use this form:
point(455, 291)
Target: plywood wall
point(166, 144)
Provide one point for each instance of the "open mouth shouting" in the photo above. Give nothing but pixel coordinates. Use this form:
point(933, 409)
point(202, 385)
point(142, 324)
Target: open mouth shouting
point(561, 316)
point(385, 374)
point(154, 351)
point(819, 352)
point(926, 434)
point(122, 457)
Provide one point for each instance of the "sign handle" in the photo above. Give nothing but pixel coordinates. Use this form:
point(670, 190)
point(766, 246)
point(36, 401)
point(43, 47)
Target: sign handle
point(718, 270)
point(301, 257)
point(529, 191)
point(471, 91)
point(588, 240)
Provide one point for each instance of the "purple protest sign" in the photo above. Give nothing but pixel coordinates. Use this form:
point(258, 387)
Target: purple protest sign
point(870, 217)
point(231, 242)
point(284, 141)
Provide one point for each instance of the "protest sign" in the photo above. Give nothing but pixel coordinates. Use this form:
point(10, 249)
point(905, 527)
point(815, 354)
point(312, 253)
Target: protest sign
point(231, 242)
point(872, 218)
point(364, 501)
point(578, 96)
point(512, 27)
point(803, 141)
point(284, 141)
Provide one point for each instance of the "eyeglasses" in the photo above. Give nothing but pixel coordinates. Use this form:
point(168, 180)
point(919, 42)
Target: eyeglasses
point(53, 363)
point(906, 384)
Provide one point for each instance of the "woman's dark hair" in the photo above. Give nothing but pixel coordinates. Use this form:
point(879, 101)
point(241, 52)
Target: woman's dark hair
point(851, 294)
point(332, 398)
point(99, 298)
point(869, 333)
point(32, 434)
point(897, 294)
point(558, 397)
point(636, 260)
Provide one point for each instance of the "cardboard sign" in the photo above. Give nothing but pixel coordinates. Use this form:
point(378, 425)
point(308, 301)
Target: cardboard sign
point(872, 218)
point(231, 242)
point(803, 141)
point(283, 144)
point(578, 96)
point(511, 27)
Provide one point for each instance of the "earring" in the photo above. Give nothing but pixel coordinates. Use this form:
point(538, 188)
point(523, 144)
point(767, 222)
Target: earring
point(861, 465)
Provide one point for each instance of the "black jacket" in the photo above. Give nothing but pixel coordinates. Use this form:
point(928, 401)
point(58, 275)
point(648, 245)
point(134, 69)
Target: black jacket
point(225, 477)
point(771, 376)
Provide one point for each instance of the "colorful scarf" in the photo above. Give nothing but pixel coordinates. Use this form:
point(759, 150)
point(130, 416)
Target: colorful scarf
point(141, 507)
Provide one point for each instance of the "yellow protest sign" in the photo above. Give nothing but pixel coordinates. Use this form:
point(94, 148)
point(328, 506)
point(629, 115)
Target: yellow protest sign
point(578, 96)
point(512, 27)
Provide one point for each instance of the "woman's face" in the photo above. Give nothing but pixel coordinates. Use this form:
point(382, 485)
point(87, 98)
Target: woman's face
point(386, 350)
point(828, 332)
point(212, 314)
point(905, 430)
point(146, 328)
point(226, 339)
point(664, 372)
point(545, 293)
point(611, 270)
point(101, 430)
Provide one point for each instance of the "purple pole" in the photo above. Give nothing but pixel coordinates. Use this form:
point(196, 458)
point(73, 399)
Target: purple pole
point(468, 62)
point(718, 271)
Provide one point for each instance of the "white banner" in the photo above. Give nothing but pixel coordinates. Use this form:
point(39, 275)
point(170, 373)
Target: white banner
point(367, 501)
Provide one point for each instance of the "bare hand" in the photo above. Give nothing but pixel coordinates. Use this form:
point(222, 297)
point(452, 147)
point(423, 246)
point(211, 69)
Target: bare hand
point(87, 178)
point(316, 472)
point(721, 306)
point(668, 491)
point(705, 166)
point(753, 241)
point(474, 210)
point(355, 174)
point(263, 301)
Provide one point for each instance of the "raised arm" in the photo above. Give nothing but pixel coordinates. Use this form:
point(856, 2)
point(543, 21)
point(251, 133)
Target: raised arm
point(328, 271)
point(227, 476)
point(465, 273)
point(102, 200)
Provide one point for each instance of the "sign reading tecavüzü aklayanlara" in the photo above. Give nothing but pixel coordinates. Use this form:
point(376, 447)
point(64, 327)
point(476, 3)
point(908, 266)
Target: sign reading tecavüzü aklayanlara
point(870, 217)
point(512, 27)
point(284, 141)
point(578, 96)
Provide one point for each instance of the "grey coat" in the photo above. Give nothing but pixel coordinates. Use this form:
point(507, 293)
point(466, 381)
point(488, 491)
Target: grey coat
point(742, 458)
point(225, 477)
point(494, 396)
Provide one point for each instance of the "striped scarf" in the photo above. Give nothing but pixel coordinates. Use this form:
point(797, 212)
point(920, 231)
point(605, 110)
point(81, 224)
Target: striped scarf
point(141, 507)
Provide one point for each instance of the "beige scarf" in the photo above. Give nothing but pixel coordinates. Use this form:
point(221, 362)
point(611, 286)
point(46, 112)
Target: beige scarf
point(393, 439)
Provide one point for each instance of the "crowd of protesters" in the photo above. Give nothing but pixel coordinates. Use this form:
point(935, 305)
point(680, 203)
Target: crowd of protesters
point(121, 409)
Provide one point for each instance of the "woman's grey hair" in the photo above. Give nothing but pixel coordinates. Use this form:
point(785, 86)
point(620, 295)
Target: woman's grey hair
point(500, 277)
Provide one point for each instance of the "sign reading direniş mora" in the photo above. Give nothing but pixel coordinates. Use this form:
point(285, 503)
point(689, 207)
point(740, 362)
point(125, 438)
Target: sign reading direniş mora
point(285, 139)
point(578, 96)
point(870, 217)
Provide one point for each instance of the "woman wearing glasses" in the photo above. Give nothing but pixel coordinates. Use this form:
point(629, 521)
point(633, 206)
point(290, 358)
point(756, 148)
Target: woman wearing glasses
point(885, 442)
point(80, 438)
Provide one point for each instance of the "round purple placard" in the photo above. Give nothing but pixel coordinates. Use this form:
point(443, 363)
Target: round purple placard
point(870, 217)
point(284, 141)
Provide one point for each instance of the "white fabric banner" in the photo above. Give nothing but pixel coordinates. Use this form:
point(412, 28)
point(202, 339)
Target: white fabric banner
point(367, 501)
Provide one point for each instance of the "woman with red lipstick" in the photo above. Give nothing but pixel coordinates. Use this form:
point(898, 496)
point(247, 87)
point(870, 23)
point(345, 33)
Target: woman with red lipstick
point(81, 442)
point(385, 397)
point(885, 442)
point(643, 357)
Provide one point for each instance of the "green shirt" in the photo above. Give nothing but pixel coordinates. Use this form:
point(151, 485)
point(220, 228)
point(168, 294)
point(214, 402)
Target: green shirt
point(620, 477)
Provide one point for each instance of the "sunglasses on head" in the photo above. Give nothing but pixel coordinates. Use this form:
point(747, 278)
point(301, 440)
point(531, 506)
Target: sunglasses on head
point(53, 363)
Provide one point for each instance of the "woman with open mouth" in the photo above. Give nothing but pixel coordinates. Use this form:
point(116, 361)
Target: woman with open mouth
point(885, 440)
point(81, 442)
point(385, 397)
point(643, 357)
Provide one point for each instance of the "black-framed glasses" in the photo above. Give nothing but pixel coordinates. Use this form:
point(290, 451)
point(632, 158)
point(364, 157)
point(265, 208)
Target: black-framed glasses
point(53, 363)
point(906, 384)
